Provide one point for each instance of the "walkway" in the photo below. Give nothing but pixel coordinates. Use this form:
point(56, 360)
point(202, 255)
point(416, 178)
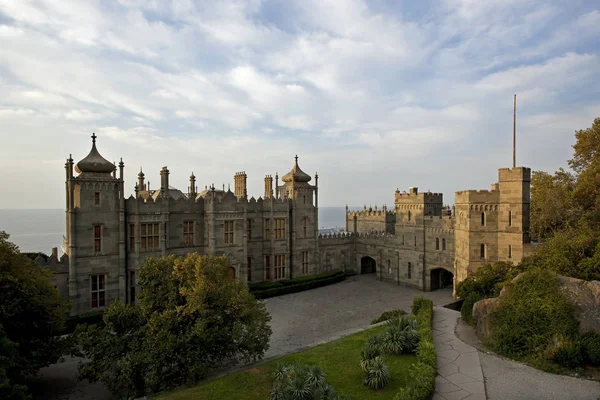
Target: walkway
point(459, 368)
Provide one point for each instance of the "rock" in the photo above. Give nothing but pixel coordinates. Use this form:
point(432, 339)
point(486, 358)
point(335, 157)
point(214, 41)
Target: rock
point(481, 315)
point(583, 295)
point(585, 298)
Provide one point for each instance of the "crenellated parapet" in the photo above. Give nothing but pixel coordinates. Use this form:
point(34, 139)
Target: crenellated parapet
point(477, 196)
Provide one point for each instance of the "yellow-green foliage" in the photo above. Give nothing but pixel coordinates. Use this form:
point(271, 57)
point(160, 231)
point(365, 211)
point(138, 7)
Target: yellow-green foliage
point(531, 314)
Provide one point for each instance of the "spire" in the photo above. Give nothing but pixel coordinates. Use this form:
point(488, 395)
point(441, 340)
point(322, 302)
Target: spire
point(515, 131)
point(94, 138)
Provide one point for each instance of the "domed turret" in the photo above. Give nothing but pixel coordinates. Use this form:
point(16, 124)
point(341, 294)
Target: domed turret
point(94, 162)
point(296, 174)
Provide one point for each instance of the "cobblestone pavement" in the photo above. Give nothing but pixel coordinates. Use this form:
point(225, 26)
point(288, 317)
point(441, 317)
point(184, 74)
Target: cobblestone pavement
point(459, 368)
point(298, 320)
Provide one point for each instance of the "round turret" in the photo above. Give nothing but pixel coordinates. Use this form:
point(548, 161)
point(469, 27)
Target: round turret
point(296, 174)
point(94, 162)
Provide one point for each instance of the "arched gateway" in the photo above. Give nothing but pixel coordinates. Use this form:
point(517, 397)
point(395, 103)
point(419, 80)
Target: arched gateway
point(368, 265)
point(441, 278)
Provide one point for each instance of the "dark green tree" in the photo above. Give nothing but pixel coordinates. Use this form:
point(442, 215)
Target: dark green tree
point(32, 315)
point(191, 318)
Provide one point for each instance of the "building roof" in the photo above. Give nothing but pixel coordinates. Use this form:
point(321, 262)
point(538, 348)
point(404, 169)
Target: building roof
point(94, 162)
point(296, 174)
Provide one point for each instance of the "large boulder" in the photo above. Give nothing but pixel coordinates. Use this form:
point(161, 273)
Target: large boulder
point(583, 295)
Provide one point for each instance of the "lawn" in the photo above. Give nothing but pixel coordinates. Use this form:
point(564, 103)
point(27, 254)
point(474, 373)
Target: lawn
point(338, 359)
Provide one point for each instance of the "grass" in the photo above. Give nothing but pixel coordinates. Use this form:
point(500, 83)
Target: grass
point(338, 359)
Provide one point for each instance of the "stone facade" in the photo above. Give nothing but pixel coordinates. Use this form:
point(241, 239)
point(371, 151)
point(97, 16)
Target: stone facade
point(419, 243)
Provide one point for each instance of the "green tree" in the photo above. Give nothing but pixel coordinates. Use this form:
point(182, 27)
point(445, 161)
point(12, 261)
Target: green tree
point(32, 314)
point(191, 318)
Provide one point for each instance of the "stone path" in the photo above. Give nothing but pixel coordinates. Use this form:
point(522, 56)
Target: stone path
point(459, 368)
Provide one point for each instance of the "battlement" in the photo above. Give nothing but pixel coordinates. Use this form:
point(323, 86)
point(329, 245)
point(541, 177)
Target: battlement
point(514, 174)
point(476, 196)
point(370, 212)
point(413, 196)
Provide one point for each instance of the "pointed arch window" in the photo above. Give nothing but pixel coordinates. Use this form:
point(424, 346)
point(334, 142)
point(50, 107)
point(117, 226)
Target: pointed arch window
point(437, 243)
point(443, 244)
point(482, 251)
point(482, 219)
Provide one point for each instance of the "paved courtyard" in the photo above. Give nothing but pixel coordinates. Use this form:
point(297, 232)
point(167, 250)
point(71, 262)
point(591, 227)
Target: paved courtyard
point(298, 320)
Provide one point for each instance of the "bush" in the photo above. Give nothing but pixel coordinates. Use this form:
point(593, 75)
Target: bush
point(388, 315)
point(401, 336)
point(590, 347)
point(293, 381)
point(530, 315)
point(298, 287)
point(376, 374)
point(92, 318)
point(568, 354)
point(422, 374)
point(466, 311)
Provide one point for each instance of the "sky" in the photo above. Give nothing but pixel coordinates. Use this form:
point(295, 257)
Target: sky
point(373, 96)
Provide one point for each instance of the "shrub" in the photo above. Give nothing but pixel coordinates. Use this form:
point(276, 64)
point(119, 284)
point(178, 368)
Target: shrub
point(590, 347)
point(426, 353)
point(422, 377)
point(388, 315)
point(568, 354)
point(401, 336)
point(298, 287)
point(377, 374)
point(466, 311)
point(293, 381)
point(530, 315)
point(417, 303)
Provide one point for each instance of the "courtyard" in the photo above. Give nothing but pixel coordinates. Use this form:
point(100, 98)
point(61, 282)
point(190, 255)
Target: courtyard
point(298, 320)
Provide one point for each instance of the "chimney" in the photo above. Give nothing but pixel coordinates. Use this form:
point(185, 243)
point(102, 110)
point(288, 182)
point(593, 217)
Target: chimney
point(268, 187)
point(164, 181)
point(141, 186)
point(240, 185)
point(55, 252)
point(192, 188)
point(413, 190)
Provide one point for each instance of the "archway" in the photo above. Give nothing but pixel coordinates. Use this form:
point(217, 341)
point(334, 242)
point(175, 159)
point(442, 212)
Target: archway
point(441, 278)
point(368, 265)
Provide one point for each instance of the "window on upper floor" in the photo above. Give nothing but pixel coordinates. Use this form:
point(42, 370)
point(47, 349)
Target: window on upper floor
point(98, 290)
point(389, 267)
point(415, 241)
point(402, 240)
point(149, 236)
point(443, 244)
point(305, 226)
point(228, 232)
point(409, 215)
point(279, 228)
point(132, 237)
point(409, 271)
point(437, 243)
point(509, 251)
point(510, 218)
point(482, 219)
point(249, 269)
point(97, 238)
point(482, 251)
point(97, 198)
point(188, 233)
point(267, 228)
point(249, 231)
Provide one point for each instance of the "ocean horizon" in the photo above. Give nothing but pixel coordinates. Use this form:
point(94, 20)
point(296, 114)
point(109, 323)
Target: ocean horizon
point(39, 230)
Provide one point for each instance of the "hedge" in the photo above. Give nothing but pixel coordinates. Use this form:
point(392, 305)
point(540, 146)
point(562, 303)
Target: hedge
point(260, 286)
point(422, 374)
point(92, 318)
point(298, 287)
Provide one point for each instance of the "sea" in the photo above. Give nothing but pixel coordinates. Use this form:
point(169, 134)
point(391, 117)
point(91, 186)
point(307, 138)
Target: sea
point(41, 230)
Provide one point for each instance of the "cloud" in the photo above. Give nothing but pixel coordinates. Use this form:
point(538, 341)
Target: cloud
point(373, 95)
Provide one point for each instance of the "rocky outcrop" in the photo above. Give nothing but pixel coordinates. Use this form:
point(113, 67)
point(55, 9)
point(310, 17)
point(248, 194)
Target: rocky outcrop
point(583, 295)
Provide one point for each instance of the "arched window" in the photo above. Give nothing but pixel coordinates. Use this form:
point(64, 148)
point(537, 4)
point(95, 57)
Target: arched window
point(509, 251)
point(443, 244)
point(409, 215)
point(482, 219)
point(437, 243)
point(409, 270)
point(389, 267)
point(510, 218)
point(415, 241)
point(482, 251)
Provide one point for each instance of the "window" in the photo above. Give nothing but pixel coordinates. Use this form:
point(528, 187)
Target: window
point(482, 251)
point(149, 236)
point(97, 238)
point(188, 233)
point(389, 267)
point(304, 199)
point(409, 270)
point(482, 219)
point(132, 287)
point(279, 228)
point(437, 243)
point(305, 262)
point(267, 228)
point(98, 290)
point(443, 244)
point(415, 241)
point(97, 198)
point(510, 218)
point(509, 251)
point(249, 232)
point(228, 232)
point(249, 269)
point(268, 268)
point(305, 226)
point(132, 237)
point(409, 215)
point(279, 270)
point(402, 240)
